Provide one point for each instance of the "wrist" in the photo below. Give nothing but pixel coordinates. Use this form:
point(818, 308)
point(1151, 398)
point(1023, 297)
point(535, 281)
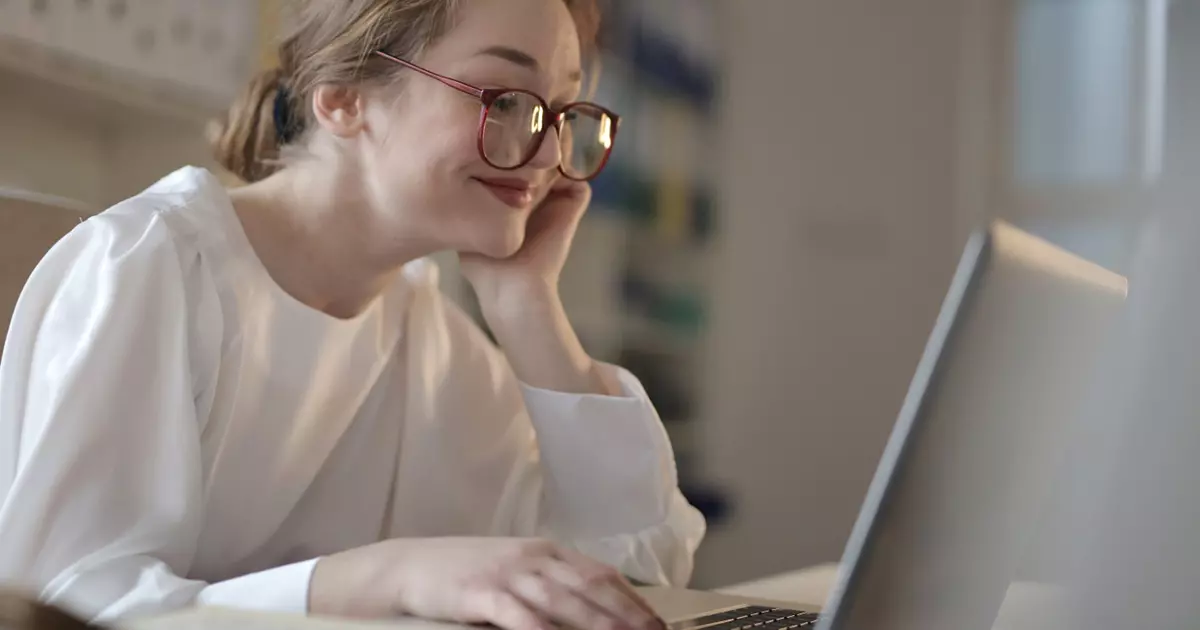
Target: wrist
point(531, 327)
point(519, 303)
point(356, 584)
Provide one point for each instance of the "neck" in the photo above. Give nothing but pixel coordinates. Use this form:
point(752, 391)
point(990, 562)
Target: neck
point(315, 235)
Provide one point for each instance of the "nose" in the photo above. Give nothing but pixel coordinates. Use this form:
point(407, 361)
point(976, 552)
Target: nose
point(549, 154)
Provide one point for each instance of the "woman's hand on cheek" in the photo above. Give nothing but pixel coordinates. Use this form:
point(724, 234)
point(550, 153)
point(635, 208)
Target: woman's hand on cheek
point(533, 272)
point(520, 301)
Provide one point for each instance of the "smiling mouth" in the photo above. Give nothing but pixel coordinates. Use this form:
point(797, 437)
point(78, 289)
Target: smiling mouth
point(514, 193)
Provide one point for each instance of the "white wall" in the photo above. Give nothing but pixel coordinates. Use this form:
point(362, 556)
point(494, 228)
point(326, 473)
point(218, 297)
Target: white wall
point(839, 236)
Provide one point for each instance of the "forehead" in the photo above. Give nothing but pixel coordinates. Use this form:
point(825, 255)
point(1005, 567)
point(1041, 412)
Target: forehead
point(543, 29)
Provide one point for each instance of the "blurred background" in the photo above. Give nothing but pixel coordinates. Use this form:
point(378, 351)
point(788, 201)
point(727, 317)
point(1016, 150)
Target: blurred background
point(792, 186)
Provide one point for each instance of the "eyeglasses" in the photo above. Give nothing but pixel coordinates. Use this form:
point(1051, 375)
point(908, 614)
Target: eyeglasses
point(513, 123)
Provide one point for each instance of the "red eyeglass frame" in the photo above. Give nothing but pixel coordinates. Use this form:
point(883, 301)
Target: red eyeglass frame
point(487, 97)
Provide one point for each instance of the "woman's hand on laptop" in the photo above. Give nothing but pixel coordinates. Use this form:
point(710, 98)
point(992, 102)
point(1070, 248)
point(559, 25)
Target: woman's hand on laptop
point(516, 584)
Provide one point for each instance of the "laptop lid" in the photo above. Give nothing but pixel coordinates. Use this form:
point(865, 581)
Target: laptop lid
point(951, 512)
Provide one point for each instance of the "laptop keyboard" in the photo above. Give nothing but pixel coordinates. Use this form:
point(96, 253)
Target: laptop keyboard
point(751, 618)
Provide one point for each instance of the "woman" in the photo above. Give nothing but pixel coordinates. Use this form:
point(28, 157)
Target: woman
point(257, 398)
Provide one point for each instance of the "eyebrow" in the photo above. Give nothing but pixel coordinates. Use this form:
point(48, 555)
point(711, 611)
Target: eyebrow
point(521, 58)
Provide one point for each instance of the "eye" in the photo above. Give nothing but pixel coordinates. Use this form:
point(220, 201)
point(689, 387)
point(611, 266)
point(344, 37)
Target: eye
point(506, 102)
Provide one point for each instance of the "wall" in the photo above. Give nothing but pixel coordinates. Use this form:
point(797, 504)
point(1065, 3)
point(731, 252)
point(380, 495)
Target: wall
point(1183, 91)
point(839, 235)
point(54, 141)
point(46, 152)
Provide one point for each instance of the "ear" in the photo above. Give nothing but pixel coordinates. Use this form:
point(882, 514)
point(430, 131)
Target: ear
point(339, 109)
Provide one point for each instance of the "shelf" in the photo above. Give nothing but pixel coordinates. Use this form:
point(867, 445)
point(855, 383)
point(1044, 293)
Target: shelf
point(641, 198)
point(648, 335)
point(668, 45)
point(178, 58)
point(45, 200)
point(662, 64)
point(82, 88)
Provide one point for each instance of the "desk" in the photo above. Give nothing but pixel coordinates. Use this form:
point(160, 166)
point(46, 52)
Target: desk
point(1026, 606)
point(809, 587)
point(671, 604)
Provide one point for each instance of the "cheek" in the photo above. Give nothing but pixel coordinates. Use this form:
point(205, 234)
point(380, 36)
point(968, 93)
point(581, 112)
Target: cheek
point(432, 167)
point(420, 158)
point(437, 143)
point(422, 168)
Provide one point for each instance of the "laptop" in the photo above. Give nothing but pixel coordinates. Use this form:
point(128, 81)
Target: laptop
point(952, 513)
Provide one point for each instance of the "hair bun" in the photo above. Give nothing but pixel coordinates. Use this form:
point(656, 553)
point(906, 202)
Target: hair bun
point(246, 142)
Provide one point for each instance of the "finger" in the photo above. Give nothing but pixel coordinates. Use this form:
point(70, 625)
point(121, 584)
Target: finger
point(558, 217)
point(570, 197)
point(571, 189)
point(561, 604)
point(605, 589)
point(581, 194)
point(588, 568)
point(505, 610)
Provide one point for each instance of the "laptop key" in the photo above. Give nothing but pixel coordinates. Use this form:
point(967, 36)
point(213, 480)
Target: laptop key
point(709, 621)
point(737, 613)
point(749, 618)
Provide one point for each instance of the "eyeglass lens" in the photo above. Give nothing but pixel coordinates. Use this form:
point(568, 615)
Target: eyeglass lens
point(516, 120)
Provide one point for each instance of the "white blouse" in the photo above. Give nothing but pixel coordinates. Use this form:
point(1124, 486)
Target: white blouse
point(176, 430)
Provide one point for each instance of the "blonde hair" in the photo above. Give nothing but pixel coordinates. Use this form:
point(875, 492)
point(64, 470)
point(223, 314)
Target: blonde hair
point(331, 42)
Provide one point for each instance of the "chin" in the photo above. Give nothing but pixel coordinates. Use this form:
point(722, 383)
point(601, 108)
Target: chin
point(502, 242)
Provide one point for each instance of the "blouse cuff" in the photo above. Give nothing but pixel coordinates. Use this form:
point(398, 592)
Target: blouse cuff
point(282, 589)
point(608, 464)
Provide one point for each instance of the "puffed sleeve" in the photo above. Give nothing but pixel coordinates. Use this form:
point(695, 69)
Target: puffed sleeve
point(609, 483)
point(100, 467)
point(593, 472)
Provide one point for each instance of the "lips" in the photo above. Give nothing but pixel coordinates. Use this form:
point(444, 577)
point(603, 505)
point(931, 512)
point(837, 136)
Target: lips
point(516, 193)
